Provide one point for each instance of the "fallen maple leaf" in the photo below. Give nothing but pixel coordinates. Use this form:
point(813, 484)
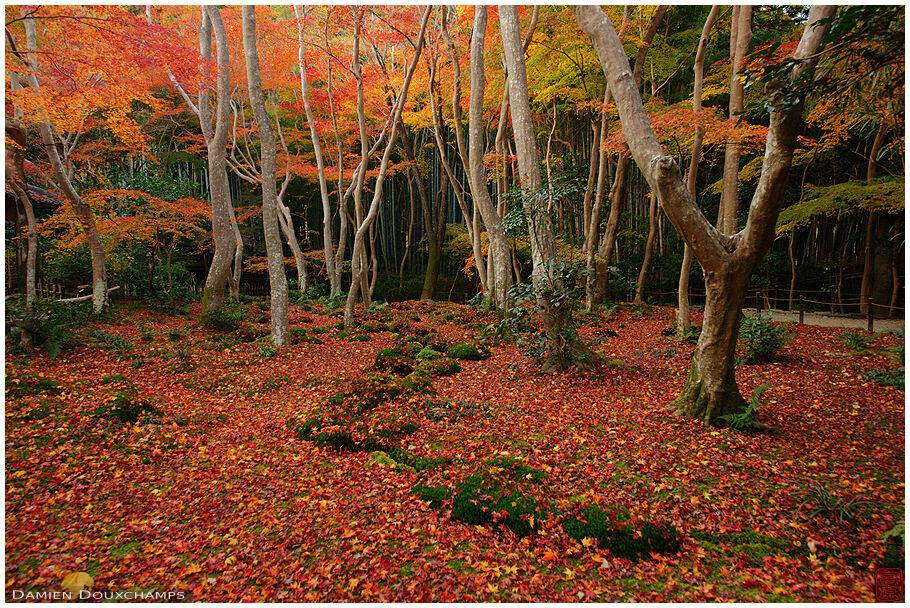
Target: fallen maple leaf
point(74, 582)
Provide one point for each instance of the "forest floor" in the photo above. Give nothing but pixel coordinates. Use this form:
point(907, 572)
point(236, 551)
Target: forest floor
point(212, 493)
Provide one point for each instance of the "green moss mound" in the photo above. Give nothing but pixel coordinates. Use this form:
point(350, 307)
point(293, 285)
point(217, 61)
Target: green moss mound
point(468, 352)
point(613, 530)
point(488, 500)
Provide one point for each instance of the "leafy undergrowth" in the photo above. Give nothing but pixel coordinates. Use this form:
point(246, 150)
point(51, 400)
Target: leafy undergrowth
point(170, 457)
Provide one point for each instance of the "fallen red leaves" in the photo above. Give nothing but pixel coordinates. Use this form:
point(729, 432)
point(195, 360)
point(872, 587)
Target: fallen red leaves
point(217, 498)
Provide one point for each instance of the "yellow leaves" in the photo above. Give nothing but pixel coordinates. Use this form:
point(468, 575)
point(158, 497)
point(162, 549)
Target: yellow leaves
point(74, 582)
point(549, 555)
point(568, 574)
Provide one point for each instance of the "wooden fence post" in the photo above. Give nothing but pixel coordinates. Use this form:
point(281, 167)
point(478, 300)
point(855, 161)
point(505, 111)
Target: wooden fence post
point(802, 311)
point(869, 315)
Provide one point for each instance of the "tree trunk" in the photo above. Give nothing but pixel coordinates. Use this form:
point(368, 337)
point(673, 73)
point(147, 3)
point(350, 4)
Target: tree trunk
point(617, 191)
point(871, 226)
point(81, 210)
point(278, 285)
point(683, 316)
point(711, 391)
point(334, 277)
point(740, 37)
point(223, 234)
point(649, 245)
point(498, 285)
point(593, 222)
point(17, 134)
point(564, 348)
point(358, 273)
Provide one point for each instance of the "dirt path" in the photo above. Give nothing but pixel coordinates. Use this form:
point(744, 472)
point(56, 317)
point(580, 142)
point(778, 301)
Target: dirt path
point(813, 318)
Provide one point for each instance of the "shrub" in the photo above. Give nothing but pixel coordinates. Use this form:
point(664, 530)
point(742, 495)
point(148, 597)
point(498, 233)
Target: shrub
point(175, 335)
point(52, 324)
point(227, 317)
point(760, 338)
point(444, 367)
point(434, 495)
point(146, 334)
point(468, 352)
point(613, 530)
point(886, 377)
point(854, 340)
point(393, 360)
point(267, 350)
point(827, 504)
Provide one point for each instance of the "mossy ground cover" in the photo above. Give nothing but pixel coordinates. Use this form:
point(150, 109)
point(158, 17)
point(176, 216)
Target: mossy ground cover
point(216, 495)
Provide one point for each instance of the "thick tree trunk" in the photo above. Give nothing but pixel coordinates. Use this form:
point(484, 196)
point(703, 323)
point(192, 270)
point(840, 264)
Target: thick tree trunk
point(278, 285)
point(649, 245)
point(222, 228)
point(711, 390)
point(728, 261)
point(564, 350)
point(81, 210)
point(501, 280)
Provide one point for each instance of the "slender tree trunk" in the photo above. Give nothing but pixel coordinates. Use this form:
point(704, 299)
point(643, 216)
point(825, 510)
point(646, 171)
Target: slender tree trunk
point(226, 243)
point(17, 134)
point(740, 37)
point(618, 191)
point(410, 235)
point(649, 245)
point(683, 316)
point(334, 277)
point(593, 224)
point(357, 271)
point(871, 225)
point(274, 251)
point(497, 288)
point(81, 210)
point(792, 254)
point(564, 348)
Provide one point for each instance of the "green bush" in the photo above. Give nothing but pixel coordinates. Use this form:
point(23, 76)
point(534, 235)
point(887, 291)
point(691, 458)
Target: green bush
point(434, 495)
point(760, 338)
point(444, 367)
point(52, 324)
point(613, 530)
point(468, 352)
point(110, 340)
point(146, 334)
point(745, 420)
point(227, 317)
point(267, 350)
point(175, 335)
